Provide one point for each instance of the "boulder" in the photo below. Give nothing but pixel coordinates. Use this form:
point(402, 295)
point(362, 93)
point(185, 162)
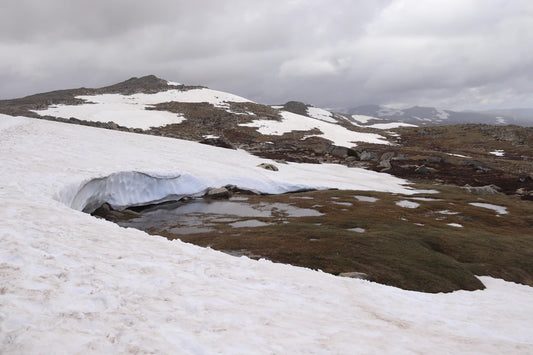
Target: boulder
point(267, 166)
point(423, 170)
point(385, 164)
point(341, 152)
point(218, 193)
point(367, 156)
point(218, 142)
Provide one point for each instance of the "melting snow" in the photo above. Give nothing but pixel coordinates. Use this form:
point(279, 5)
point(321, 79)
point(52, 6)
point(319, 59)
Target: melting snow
point(459, 155)
point(357, 230)
point(498, 153)
point(366, 198)
point(498, 209)
point(456, 225)
point(407, 204)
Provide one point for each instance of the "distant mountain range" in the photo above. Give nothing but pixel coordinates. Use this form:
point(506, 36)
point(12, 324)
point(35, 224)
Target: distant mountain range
point(419, 115)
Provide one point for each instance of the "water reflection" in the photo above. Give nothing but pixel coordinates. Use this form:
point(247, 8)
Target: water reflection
point(200, 216)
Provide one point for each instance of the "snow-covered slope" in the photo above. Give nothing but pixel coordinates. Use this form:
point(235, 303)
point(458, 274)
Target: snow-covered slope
point(70, 283)
point(130, 110)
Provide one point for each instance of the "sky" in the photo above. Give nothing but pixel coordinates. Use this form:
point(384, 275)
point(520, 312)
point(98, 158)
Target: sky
point(456, 54)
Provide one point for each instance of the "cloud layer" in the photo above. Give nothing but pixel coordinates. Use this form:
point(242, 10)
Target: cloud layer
point(453, 53)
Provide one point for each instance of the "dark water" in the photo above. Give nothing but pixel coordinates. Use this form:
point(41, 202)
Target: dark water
point(200, 216)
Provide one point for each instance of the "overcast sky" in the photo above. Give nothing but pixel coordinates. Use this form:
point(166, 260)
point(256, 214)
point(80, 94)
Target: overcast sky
point(332, 53)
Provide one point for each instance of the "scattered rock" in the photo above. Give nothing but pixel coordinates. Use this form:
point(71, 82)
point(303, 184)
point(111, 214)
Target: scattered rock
point(267, 166)
point(356, 275)
point(482, 190)
point(218, 193)
point(367, 156)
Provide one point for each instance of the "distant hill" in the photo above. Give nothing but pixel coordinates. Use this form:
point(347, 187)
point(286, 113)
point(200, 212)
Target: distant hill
point(423, 116)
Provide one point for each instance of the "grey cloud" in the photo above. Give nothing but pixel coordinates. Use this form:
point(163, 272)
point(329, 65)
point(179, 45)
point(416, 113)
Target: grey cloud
point(458, 53)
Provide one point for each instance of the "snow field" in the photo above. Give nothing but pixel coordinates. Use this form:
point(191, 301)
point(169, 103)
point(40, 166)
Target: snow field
point(71, 283)
point(130, 110)
point(335, 133)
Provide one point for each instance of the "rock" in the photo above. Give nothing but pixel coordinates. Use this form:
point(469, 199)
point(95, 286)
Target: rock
point(385, 160)
point(267, 166)
point(130, 213)
point(482, 190)
point(521, 191)
point(341, 152)
point(476, 164)
point(337, 151)
point(385, 164)
point(367, 156)
point(218, 193)
point(218, 142)
point(350, 158)
point(387, 156)
point(435, 159)
point(356, 275)
point(423, 170)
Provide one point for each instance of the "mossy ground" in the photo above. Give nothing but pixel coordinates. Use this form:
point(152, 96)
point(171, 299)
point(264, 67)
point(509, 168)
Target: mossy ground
point(411, 248)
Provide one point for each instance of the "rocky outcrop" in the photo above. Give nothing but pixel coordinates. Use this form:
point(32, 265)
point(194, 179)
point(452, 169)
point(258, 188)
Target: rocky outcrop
point(482, 190)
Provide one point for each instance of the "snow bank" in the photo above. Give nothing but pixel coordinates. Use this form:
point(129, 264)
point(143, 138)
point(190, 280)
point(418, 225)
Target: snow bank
point(131, 188)
point(335, 133)
point(71, 283)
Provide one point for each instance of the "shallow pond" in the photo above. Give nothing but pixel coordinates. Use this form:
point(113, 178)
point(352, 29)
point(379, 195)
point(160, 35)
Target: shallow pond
point(201, 216)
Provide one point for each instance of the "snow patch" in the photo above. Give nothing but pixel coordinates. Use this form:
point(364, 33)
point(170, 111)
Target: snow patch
point(458, 155)
point(357, 230)
point(391, 125)
point(320, 114)
point(407, 204)
point(498, 153)
point(131, 110)
point(496, 208)
point(366, 198)
point(456, 225)
point(364, 119)
point(333, 132)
